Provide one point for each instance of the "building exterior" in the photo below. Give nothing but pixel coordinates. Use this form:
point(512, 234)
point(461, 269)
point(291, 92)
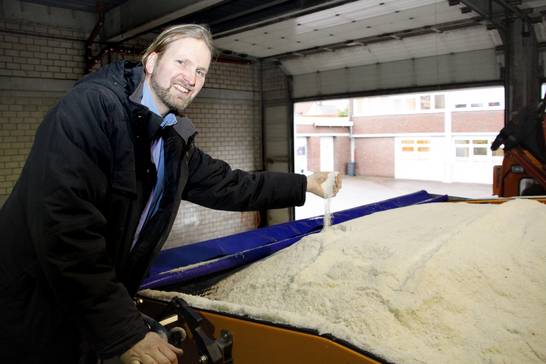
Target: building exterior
point(322, 140)
point(439, 136)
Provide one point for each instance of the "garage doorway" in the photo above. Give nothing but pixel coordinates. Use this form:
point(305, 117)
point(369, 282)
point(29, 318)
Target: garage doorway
point(440, 136)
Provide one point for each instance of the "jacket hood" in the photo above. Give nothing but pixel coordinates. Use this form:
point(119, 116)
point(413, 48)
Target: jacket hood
point(122, 77)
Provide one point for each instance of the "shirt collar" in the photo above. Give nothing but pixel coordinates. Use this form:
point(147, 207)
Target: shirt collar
point(148, 101)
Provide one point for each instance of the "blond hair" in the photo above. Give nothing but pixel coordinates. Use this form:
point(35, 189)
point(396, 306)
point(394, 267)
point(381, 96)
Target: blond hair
point(169, 35)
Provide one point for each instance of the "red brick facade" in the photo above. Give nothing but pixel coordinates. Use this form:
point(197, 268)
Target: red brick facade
point(313, 154)
point(406, 123)
point(374, 157)
point(342, 150)
point(477, 121)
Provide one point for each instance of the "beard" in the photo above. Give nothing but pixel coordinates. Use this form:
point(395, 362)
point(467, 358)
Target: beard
point(171, 98)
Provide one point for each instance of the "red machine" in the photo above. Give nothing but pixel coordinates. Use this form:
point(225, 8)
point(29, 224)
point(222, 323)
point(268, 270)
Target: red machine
point(523, 170)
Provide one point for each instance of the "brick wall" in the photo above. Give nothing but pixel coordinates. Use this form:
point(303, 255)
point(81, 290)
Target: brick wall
point(233, 76)
point(36, 61)
point(313, 154)
point(341, 145)
point(342, 149)
point(20, 115)
point(410, 123)
point(42, 61)
point(53, 53)
point(462, 121)
point(477, 121)
point(374, 157)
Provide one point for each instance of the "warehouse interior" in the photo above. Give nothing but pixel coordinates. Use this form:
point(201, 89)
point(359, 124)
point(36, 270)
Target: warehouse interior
point(271, 55)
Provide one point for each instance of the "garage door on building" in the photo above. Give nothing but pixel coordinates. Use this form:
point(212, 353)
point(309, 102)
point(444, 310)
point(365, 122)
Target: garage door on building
point(419, 158)
point(462, 158)
point(473, 159)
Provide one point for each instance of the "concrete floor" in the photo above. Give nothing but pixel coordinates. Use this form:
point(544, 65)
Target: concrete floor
point(360, 190)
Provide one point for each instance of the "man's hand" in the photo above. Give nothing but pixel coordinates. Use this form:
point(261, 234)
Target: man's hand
point(153, 349)
point(316, 184)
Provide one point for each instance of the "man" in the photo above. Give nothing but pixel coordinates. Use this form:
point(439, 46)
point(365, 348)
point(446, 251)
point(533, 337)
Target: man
point(97, 198)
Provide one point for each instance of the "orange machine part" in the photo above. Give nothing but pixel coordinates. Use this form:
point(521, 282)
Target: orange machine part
point(506, 182)
point(259, 343)
point(266, 344)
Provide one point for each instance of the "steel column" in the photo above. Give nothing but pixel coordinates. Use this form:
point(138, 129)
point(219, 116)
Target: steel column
point(521, 74)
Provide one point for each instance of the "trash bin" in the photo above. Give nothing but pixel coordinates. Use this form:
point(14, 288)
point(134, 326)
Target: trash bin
point(351, 168)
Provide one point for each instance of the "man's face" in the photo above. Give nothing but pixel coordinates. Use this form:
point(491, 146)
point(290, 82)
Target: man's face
point(177, 74)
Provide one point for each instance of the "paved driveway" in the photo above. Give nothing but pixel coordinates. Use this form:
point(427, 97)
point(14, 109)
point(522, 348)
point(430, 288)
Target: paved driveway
point(360, 190)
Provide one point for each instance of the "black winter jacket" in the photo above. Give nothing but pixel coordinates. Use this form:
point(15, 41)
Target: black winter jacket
point(67, 274)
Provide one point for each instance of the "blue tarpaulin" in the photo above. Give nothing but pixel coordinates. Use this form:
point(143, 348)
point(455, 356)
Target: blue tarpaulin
point(235, 250)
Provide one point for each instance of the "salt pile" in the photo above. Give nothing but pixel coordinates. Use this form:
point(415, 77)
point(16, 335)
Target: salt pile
point(434, 283)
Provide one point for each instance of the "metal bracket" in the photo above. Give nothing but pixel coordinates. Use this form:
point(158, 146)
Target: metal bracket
point(210, 351)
